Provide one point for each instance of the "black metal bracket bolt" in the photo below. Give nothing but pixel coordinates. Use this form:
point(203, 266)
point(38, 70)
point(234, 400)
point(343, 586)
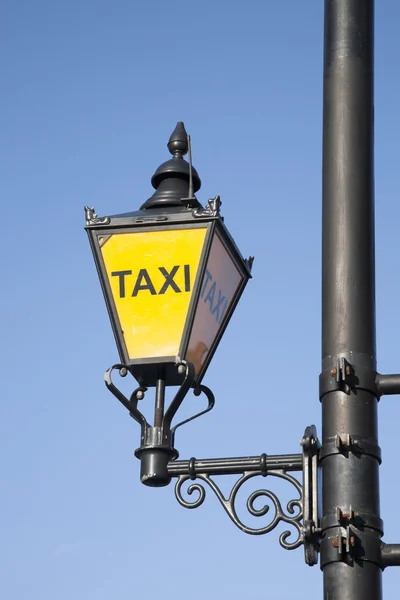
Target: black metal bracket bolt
point(344, 441)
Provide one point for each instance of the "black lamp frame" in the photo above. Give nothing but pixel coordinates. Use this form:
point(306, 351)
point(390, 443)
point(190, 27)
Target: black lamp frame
point(148, 371)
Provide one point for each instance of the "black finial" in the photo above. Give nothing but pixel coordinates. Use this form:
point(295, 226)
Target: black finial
point(171, 180)
point(178, 142)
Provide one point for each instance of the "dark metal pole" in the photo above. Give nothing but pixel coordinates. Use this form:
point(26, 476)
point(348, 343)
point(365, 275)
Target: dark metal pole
point(160, 401)
point(351, 527)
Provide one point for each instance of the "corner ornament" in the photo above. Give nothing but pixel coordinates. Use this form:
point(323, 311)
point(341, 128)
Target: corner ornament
point(92, 217)
point(212, 209)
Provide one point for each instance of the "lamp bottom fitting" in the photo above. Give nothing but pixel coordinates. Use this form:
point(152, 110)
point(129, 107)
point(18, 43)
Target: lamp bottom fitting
point(154, 466)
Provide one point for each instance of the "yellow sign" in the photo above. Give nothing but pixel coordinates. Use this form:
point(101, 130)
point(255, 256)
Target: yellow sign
point(218, 289)
point(151, 276)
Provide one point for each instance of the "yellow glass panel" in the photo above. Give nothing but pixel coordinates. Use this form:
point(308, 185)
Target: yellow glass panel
point(151, 275)
point(218, 289)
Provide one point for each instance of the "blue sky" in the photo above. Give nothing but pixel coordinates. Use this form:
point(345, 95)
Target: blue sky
point(91, 91)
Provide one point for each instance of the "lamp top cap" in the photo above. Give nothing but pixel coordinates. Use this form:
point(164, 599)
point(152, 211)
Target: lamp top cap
point(172, 179)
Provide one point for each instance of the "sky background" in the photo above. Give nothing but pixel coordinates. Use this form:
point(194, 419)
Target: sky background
point(91, 91)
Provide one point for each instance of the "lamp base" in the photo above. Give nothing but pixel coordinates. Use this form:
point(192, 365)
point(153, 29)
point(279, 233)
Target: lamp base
point(154, 465)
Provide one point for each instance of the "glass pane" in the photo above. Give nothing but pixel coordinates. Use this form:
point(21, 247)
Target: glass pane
point(220, 284)
point(151, 276)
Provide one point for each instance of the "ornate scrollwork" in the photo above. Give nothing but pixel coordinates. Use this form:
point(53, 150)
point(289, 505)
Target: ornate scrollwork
point(293, 516)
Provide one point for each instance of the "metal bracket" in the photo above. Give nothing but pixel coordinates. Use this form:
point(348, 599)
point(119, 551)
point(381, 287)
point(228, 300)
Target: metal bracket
point(157, 441)
point(390, 555)
point(344, 543)
point(158, 456)
point(351, 536)
point(347, 372)
point(311, 508)
point(348, 516)
point(354, 371)
point(387, 384)
point(349, 544)
point(302, 513)
point(345, 443)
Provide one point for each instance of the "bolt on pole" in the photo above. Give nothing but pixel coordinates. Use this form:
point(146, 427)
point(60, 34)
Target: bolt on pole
point(350, 452)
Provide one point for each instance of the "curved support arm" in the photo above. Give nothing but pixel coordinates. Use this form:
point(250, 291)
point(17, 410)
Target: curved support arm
point(165, 420)
point(180, 395)
point(130, 404)
point(211, 401)
point(157, 442)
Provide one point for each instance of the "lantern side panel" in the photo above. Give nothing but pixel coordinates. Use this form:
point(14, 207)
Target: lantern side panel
point(221, 282)
point(151, 275)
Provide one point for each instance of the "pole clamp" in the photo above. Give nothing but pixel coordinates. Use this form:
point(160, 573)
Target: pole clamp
point(348, 516)
point(345, 443)
point(349, 544)
point(348, 372)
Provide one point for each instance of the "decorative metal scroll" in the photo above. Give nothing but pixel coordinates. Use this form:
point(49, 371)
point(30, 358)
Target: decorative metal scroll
point(293, 516)
point(187, 370)
point(300, 513)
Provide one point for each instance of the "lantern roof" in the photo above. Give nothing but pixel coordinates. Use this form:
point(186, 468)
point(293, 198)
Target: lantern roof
point(176, 179)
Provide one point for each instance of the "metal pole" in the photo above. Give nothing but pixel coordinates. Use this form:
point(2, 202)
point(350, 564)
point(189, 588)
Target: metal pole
point(160, 402)
point(351, 527)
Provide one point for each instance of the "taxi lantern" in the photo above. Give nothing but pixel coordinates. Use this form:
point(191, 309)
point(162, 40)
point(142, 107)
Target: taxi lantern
point(171, 276)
